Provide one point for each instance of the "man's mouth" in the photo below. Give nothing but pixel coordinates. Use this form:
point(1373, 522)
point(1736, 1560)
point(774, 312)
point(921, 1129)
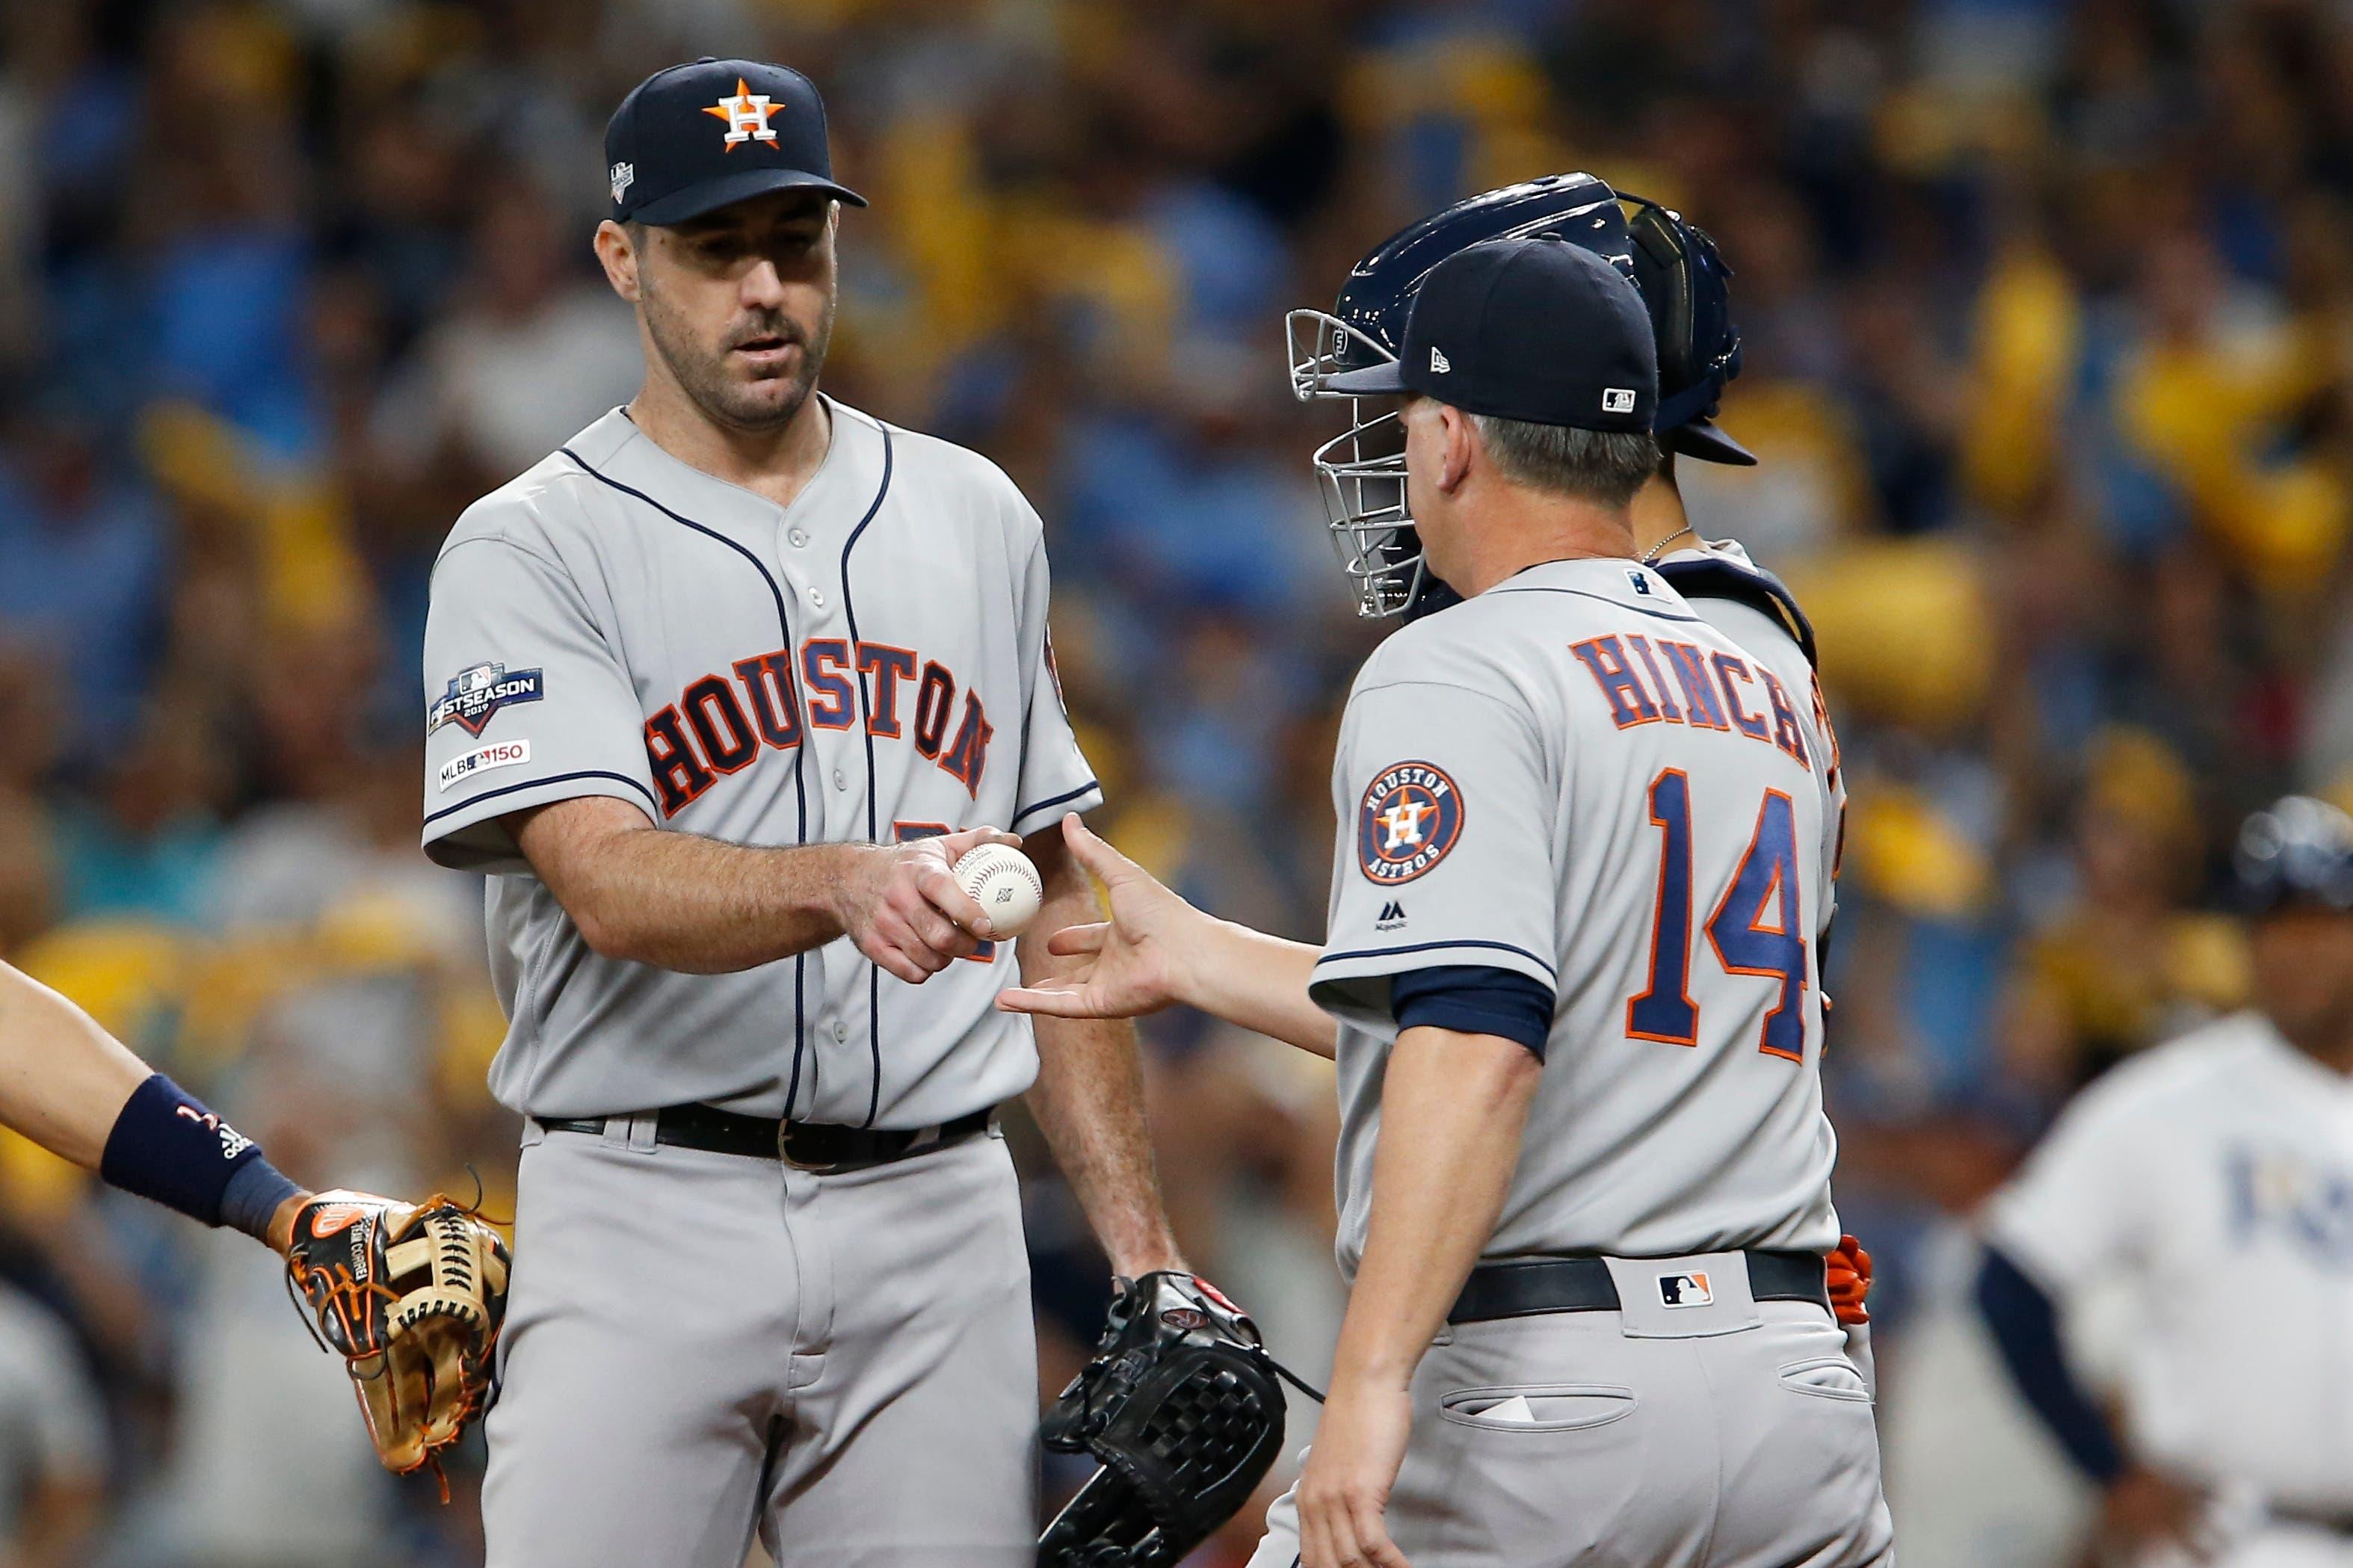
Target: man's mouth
point(767, 349)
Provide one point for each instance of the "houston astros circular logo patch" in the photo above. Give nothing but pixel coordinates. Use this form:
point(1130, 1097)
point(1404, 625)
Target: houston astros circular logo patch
point(1411, 816)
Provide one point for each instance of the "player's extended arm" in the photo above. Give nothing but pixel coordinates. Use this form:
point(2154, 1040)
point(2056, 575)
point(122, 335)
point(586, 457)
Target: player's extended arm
point(1452, 1109)
point(706, 907)
point(81, 1094)
point(2139, 1505)
point(1089, 1097)
point(1158, 950)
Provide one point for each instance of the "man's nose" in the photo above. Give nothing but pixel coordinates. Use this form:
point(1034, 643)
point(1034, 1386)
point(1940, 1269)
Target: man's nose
point(762, 285)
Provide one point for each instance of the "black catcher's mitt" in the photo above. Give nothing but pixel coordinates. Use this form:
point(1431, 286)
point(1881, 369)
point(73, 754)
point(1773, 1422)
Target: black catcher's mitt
point(1181, 1407)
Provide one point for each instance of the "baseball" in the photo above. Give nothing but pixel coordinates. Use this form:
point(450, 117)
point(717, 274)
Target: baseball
point(1001, 880)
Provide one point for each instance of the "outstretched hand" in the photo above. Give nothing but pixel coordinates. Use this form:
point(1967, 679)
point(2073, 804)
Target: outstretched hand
point(1137, 961)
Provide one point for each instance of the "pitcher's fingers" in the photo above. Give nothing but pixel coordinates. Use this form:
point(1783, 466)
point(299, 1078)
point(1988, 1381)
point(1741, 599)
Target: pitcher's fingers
point(886, 956)
point(965, 840)
point(1071, 941)
point(939, 890)
point(944, 936)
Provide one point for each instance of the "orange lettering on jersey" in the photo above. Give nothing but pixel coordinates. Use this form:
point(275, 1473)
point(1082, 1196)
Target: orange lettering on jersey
point(1828, 735)
point(831, 702)
point(677, 771)
point(969, 755)
point(1667, 709)
point(1786, 733)
point(1700, 705)
point(719, 727)
point(885, 667)
point(776, 699)
point(1630, 704)
point(1730, 670)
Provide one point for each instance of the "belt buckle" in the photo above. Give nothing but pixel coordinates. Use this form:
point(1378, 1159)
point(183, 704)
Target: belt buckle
point(785, 1129)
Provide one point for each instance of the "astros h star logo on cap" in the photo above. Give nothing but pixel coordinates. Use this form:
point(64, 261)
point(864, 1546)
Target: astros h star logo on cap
point(746, 114)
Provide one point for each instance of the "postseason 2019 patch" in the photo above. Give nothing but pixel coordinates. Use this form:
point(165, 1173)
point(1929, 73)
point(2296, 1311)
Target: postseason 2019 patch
point(476, 694)
point(1409, 819)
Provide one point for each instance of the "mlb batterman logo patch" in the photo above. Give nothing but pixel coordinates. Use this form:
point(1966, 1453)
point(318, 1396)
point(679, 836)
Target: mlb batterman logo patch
point(1685, 1290)
point(1411, 816)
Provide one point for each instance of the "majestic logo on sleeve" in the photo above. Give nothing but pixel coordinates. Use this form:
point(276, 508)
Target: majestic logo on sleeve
point(475, 696)
point(746, 114)
point(1409, 819)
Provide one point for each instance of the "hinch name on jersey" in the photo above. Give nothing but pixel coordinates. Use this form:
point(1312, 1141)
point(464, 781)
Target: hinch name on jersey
point(722, 724)
point(1683, 683)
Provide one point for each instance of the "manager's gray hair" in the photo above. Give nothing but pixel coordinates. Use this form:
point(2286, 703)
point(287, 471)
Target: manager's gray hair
point(1606, 466)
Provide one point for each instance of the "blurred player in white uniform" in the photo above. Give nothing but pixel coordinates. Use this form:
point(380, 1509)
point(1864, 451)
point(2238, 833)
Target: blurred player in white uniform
point(2210, 1181)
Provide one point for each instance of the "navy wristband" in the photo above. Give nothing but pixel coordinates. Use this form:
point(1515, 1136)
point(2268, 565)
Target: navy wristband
point(1474, 999)
point(168, 1146)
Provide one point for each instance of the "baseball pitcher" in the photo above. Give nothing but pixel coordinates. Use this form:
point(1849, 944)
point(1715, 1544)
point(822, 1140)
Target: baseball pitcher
point(717, 694)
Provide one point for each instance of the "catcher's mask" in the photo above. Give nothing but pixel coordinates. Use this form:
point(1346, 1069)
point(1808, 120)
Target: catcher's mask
point(1361, 471)
point(1181, 1408)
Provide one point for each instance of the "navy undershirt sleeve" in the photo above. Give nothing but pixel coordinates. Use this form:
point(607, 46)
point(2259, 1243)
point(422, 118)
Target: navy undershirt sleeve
point(1473, 999)
point(2026, 1329)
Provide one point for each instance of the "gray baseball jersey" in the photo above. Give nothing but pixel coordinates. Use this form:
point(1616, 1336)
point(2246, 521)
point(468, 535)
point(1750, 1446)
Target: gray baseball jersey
point(871, 663)
point(1577, 778)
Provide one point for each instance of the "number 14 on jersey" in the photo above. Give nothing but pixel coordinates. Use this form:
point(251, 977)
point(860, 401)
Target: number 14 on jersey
point(1756, 929)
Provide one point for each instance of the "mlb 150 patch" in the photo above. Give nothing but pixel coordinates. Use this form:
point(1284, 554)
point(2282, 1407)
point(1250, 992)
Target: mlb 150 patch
point(476, 694)
point(1409, 819)
point(497, 754)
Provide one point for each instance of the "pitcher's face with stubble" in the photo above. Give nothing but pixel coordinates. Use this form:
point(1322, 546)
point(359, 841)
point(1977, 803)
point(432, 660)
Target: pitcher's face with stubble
point(738, 304)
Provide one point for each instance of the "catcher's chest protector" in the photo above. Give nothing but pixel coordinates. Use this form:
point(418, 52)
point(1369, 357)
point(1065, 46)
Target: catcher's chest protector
point(1182, 1409)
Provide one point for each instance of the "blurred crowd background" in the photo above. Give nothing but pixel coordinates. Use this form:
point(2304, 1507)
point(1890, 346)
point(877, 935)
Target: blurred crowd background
point(2049, 310)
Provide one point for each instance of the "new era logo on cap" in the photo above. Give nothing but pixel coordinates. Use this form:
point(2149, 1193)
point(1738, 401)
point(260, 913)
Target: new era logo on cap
point(1685, 1291)
point(1437, 364)
point(624, 177)
point(1617, 400)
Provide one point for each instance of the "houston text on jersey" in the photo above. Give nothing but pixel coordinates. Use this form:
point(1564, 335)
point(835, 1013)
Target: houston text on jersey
point(720, 725)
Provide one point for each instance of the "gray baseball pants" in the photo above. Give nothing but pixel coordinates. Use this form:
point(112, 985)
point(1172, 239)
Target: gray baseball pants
point(700, 1345)
point(1736, 1435)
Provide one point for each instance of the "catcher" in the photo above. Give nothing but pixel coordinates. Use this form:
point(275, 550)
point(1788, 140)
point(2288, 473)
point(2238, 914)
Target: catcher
point(411, 1295)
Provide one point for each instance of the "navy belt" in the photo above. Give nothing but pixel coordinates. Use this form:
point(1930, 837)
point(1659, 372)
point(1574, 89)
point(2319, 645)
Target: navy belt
point(1529, 1287)
point(806, 1145)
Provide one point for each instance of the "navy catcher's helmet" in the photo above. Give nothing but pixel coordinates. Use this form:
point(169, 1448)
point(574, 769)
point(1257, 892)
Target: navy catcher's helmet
point(1362, 471)
point(2295, 853)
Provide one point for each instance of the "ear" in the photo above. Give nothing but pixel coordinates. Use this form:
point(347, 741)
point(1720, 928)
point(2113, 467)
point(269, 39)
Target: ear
point(1457, 442)
point(618, 257)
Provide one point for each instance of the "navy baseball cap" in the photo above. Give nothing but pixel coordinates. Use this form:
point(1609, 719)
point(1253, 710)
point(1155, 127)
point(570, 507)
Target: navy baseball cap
point(693, 138)
point(1537, 330)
